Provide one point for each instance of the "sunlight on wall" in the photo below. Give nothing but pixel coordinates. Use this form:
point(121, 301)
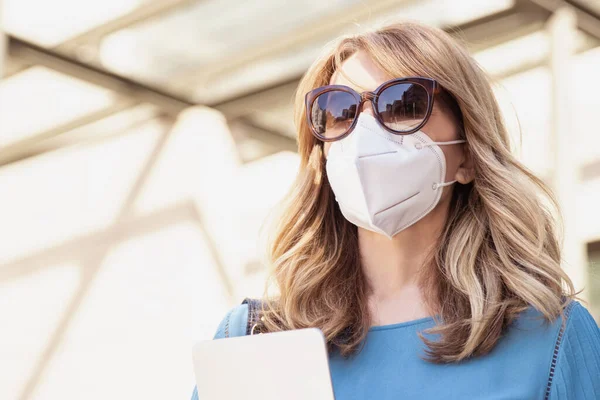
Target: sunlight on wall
point(525, 102)
point(201, 163)
point(135, 327)
point(31, 306)
point(69, 193)
point(122, 251)
point(586, 105)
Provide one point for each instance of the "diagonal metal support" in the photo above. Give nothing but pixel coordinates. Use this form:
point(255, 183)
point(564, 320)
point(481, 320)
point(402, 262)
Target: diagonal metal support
point(98, 246)
point(26, 147)
point(35, 54)
point(587, 20)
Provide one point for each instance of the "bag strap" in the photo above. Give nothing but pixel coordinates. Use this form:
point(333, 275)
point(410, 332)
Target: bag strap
point(254, 309)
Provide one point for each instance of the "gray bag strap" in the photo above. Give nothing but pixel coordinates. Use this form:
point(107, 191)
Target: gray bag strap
point(254, 309)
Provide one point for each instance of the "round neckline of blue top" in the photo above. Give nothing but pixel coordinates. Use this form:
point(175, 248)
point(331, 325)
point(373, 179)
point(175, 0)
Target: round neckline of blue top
point(400, 324)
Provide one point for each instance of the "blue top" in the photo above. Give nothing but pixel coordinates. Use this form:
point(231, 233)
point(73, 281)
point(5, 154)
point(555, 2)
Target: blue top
point(532, 360)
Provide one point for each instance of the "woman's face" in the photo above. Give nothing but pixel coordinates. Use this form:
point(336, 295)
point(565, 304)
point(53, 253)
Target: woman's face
point(440, 127)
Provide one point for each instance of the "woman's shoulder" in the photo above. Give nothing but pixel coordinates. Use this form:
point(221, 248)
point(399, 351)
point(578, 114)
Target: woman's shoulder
point(574, 314)
point(576, 321)
point(233, 322)
point(580, 335)
point(567, 349)
point(575, 370)
point(579, 321)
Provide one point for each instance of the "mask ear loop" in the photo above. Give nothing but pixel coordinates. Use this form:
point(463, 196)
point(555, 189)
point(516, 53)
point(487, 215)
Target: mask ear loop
point(420, 145)
point(436, 186)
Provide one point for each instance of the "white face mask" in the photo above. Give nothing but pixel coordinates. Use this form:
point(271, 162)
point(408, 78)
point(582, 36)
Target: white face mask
point(385, 182)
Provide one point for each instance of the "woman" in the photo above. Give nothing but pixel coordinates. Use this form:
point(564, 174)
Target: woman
point(413, 238)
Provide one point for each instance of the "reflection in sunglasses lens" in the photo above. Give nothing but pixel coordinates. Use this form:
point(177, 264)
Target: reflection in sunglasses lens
point(403, 106)
point(332, 113)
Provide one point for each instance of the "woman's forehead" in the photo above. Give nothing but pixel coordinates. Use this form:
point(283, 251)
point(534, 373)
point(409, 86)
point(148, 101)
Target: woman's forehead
point(360, 73)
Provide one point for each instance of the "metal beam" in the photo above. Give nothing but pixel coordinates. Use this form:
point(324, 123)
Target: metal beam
point(589, 44)
point(587, 20)
point(492, 30)
point(93, 127)
point(244, 103)
point(489, 27)
point(27, 147)
point(523, 18)
point(133, 93)
point(321, 29)
point(266, 134)
point(147, 11)
point(94, 36)
point(34, 54)
point(586, 6)
point(478, 34)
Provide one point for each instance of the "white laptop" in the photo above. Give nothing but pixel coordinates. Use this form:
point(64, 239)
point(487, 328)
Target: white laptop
point(290, 365)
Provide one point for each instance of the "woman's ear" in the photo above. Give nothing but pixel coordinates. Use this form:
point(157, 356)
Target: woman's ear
point(466, 170)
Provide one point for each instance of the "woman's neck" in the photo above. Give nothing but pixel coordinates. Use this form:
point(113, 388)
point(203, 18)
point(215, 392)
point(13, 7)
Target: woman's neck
point(392, 268)
point(391, 264)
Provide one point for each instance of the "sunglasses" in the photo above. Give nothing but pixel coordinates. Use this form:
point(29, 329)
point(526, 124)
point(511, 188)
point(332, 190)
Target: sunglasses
point(402, 106)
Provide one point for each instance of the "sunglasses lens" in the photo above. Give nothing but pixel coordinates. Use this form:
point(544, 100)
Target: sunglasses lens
point(403, 106)
point(332, 113)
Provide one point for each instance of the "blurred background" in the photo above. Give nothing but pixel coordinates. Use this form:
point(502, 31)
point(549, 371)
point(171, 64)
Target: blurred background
point(144, 142)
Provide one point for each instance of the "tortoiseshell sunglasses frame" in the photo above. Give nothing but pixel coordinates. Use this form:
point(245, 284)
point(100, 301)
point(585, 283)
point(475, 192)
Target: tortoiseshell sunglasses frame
point(430, 85)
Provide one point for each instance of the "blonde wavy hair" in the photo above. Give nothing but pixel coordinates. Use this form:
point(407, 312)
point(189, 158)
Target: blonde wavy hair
point(498, 254)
